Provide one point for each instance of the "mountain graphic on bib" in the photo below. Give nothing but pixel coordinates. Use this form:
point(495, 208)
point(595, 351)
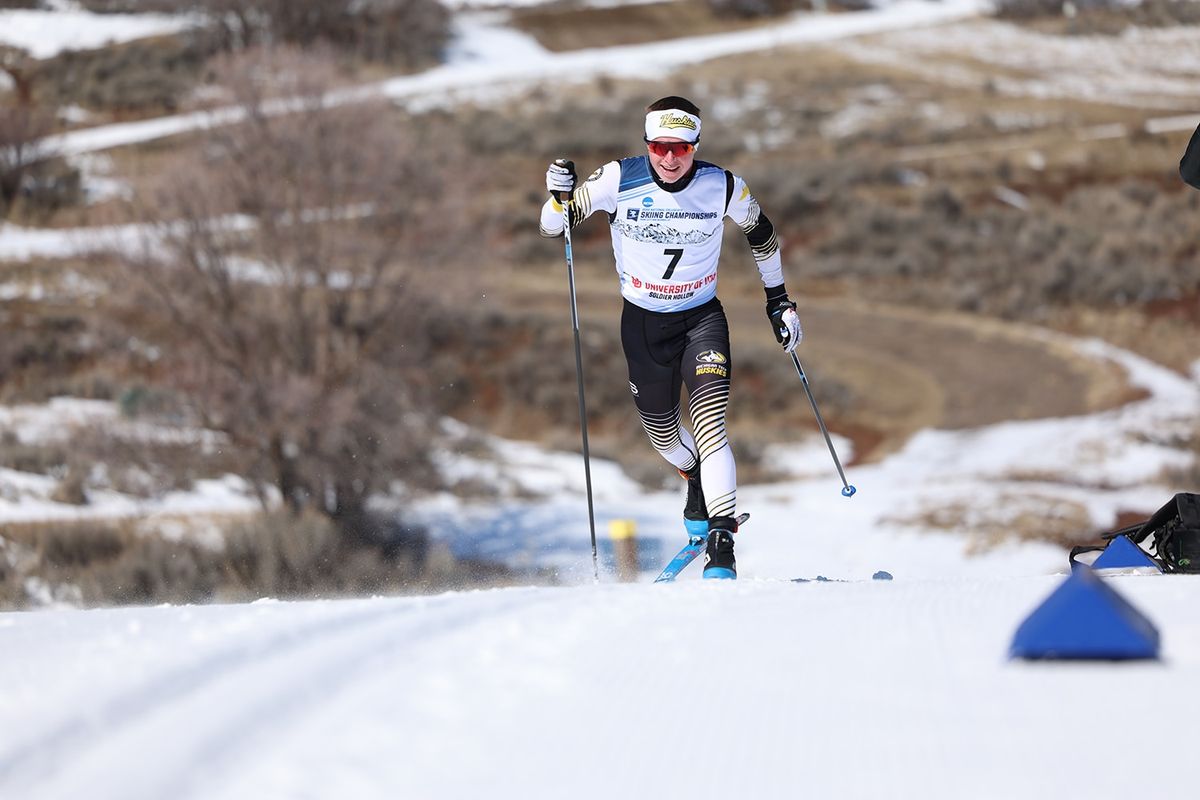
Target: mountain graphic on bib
point(662, 234)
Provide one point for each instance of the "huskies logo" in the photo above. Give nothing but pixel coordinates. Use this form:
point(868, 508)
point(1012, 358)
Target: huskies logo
point(711, 357)
point(669, 120)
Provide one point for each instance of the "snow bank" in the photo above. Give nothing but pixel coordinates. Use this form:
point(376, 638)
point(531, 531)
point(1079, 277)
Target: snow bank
point(46, 33)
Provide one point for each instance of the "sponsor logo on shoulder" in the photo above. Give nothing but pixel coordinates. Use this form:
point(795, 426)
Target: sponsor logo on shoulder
point(595, 176)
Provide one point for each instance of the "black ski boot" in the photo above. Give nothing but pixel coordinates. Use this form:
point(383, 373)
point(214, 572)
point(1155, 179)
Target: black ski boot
point(695, 513)
point(718, 555)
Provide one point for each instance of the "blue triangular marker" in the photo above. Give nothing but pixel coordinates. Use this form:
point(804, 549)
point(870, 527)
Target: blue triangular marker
point(1084, 618)
point(1122, 553)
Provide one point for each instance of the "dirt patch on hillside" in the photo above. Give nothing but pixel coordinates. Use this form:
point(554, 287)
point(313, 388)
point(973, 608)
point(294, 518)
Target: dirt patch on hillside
point(881, 372)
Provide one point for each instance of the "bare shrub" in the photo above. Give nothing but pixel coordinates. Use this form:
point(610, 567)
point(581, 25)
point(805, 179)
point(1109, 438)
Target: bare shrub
point(146, 75)
point(70, 488)
point(295, 327)
point(47, 187)
point(21, 128)
point(284, 555)
point(1032, 9)
point(1103, 17)
point(753, 8)
point(946, 252)
point(406, 32)
point(107, 562)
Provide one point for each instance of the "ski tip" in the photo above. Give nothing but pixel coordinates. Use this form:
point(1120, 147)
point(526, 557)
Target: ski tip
point(882, 575)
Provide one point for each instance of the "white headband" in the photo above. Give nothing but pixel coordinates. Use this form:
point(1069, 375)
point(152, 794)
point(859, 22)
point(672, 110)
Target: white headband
point(674, 124)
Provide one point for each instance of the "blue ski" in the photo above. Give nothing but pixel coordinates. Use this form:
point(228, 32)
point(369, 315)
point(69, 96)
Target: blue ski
point(694, 547)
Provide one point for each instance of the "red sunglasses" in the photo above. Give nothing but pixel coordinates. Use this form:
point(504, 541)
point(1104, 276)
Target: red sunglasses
point(677, 149)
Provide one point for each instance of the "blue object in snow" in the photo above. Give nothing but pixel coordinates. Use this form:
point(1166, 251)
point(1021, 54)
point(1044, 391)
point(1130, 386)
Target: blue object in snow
point(1085, 618)
point(1122, 553)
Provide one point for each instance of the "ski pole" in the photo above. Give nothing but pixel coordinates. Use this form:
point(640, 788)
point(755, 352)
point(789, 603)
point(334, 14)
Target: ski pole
point(587, 467)
point(847, 489)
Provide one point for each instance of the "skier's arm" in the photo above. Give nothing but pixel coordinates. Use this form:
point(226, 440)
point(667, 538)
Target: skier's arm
point(598, 192)
point(760, 233)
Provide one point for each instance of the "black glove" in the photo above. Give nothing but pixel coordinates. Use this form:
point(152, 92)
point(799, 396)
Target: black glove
point(561, 179)
point(785, 322)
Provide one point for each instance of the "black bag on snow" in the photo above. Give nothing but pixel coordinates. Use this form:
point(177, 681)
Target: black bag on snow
point(1189, 165)
point(1174, 530)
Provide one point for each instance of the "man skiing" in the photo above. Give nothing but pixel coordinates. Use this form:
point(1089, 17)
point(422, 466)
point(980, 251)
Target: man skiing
point(666, 211)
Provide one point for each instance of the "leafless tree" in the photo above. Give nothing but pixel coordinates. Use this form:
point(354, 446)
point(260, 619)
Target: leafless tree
point(22, 124)
point(294, 263)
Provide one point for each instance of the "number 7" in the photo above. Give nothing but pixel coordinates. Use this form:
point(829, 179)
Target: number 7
point(676, 253)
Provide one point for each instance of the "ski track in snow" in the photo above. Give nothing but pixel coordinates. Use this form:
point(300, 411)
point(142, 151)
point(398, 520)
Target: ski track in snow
point(752, 689)
point(262, 684)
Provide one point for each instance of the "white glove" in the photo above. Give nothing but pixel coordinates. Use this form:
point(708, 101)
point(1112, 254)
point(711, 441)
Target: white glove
point(785, 322)
point(561, 178)
point(789, 325)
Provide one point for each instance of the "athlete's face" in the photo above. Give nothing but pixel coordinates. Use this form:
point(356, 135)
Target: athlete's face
point(671, 158)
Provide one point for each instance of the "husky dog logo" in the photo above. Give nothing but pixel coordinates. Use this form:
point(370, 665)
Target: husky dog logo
point(711, 357)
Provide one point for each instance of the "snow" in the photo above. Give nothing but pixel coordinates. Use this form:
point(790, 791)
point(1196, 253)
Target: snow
point(751, 689)
point(1142, 68)
point(26, 497)
point(46, 33)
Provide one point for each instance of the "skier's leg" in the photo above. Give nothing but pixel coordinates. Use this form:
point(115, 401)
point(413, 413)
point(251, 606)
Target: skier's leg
point(652, 352)
point(707, 369)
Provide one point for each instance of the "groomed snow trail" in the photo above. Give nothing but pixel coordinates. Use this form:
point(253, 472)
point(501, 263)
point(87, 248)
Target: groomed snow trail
point(761, 688)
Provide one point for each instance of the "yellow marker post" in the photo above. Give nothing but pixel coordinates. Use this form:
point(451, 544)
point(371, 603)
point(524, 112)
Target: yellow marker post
point(623, 533)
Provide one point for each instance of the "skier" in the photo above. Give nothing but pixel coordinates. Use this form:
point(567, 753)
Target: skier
point(666, 213)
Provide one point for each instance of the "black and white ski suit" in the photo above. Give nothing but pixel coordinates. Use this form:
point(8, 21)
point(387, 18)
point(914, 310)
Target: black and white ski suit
point(666, 240)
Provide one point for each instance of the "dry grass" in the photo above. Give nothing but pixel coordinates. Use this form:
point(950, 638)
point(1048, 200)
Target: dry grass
point(147, 561)
point(567, 26)
point(1026, 516)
